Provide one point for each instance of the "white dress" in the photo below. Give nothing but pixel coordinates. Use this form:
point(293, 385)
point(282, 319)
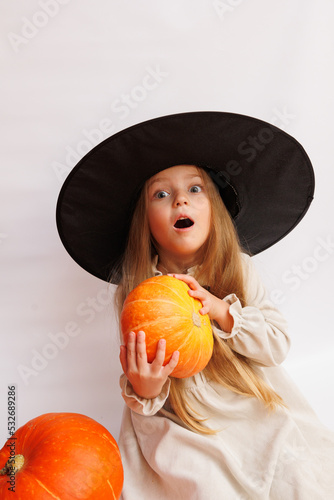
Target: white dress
point(285, 455)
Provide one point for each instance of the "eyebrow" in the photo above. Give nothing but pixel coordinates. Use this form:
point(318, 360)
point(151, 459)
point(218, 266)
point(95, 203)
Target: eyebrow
point(162, 179)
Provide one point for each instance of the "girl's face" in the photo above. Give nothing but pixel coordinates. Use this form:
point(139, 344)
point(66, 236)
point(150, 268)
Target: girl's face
point(179, 212)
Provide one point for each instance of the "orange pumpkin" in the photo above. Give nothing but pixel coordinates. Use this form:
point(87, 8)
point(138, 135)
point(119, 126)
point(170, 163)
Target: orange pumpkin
point(163, 309)
point(62, 456)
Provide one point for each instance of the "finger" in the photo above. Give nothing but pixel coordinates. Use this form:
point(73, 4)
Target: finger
point(191, 282)
point(122, 358)
point(141, 349)
point(198, 294)
point(206, 306)
point(204, 310)
point(160, 354)
point(131, 349)
point(172, 363)
point(203, 298)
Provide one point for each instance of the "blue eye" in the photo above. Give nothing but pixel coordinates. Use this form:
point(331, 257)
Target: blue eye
point(195, 189)
point(161, 194)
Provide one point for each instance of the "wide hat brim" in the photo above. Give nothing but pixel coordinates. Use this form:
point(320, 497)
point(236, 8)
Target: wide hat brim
point(265, 178)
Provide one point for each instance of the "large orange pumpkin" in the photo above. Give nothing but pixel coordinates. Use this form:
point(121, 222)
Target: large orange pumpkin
point(163, 309)
point(61, 456)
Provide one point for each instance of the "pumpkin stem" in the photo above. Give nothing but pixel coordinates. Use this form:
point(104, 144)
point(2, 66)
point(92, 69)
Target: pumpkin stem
point(196, 320)
point(13, 465)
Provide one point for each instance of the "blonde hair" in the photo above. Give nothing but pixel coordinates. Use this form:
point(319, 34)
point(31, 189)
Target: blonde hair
point(221, 269)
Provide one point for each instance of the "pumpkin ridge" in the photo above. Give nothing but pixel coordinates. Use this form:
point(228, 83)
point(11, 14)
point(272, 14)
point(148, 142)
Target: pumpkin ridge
point(141, 326)
point(29, 439)
point(112, 489)
point(176, 304)
point(199, 356)
point(104, 436)
point(187, 340)
point(194, 362)
point(46, 489)
point(183, 343)
point(161, 283)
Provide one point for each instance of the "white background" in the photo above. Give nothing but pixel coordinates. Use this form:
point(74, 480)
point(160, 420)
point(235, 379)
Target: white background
point(75, 71)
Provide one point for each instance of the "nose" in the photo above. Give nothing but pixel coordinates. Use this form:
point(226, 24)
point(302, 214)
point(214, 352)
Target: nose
point(181, 198)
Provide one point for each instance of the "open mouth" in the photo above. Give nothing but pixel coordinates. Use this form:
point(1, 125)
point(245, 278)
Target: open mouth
point(183, 222)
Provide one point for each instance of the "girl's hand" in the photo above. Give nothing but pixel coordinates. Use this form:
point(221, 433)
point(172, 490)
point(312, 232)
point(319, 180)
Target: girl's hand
point(147, 379)
point(217, 309)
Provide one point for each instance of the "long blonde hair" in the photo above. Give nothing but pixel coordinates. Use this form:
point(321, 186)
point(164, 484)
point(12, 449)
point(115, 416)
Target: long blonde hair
point(221, 269)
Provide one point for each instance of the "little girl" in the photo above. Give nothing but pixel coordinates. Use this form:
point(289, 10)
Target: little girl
point(239, 429)
point(211, 436)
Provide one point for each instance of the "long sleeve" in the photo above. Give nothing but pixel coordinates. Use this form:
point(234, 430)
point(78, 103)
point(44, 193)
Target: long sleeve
point(140, 405)
point(259, 331)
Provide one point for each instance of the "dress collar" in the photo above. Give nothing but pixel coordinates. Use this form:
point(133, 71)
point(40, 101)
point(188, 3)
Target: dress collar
point(156, 272)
